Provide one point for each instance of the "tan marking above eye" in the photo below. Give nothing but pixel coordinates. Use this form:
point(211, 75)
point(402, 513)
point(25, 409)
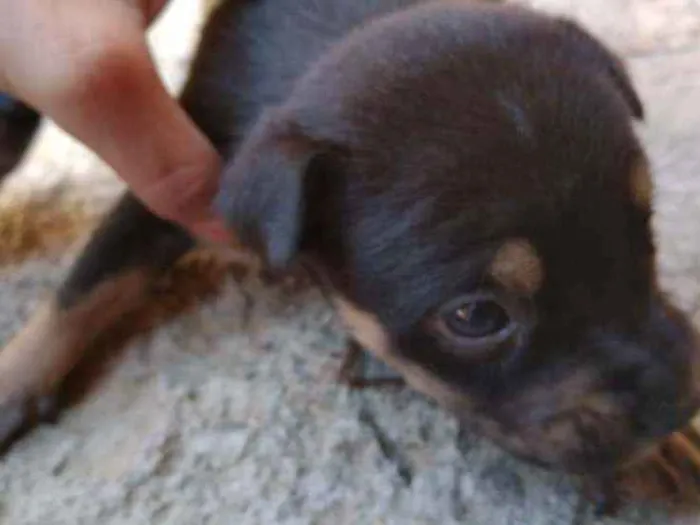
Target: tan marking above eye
point(642, 184)
point(517, 267)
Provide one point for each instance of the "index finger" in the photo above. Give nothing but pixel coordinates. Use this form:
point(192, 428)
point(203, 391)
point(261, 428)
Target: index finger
point(103, 88)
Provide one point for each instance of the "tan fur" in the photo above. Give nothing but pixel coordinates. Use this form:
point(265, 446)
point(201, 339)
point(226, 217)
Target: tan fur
point(366, 329)
point(642, 184)
point(53, 341)
point(517, 267)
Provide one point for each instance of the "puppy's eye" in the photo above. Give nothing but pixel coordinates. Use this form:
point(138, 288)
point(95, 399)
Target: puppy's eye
point(476, 317)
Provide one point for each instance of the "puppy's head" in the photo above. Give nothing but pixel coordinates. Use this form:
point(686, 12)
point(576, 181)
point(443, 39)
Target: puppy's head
point(469, 182)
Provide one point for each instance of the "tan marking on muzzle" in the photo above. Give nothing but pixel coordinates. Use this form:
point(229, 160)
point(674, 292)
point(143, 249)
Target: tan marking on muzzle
point(366, 329)
point(518, 267)
point(54, 340)
point(642, 184)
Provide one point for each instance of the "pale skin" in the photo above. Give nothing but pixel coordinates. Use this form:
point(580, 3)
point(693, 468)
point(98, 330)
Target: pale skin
point(85, 64)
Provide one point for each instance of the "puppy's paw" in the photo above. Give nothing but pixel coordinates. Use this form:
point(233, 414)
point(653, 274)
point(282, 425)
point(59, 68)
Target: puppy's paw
point(21, 414)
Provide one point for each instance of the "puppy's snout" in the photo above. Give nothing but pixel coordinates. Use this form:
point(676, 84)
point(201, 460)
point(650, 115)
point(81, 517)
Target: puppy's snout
point(667, 417)
point(664, 363)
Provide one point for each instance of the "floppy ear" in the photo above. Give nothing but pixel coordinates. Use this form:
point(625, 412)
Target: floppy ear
point(264, 188)
point(593, 50)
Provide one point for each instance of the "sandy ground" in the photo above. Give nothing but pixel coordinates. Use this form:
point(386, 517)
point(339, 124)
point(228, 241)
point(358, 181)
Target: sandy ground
point(230, 414)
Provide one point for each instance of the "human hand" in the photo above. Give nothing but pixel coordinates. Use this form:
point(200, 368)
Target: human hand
point(85, 64)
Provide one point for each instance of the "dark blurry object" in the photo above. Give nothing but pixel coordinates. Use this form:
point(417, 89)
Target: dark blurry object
point(18, 125)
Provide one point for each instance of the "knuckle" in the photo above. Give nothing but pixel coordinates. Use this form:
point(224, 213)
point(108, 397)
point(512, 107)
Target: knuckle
point(92, 62)
point(104, 69)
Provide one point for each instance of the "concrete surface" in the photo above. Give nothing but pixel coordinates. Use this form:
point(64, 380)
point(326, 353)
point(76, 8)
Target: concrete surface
point(230, 415)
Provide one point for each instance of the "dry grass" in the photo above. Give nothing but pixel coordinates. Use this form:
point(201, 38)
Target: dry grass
point(34, 228)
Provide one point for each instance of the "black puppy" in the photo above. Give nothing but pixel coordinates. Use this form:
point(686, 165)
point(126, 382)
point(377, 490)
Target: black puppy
point(465, 180)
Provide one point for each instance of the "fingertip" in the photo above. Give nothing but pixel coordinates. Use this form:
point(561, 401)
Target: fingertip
point(213, 230)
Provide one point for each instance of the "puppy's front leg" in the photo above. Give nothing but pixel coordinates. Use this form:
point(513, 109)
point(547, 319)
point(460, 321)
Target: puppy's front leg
point(129, 249)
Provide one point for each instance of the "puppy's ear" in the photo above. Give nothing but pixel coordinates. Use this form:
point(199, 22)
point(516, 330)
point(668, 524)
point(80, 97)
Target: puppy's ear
point(593, 50)
point(264, 188)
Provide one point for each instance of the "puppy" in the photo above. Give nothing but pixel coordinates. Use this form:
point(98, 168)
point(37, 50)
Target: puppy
point(465, 181)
